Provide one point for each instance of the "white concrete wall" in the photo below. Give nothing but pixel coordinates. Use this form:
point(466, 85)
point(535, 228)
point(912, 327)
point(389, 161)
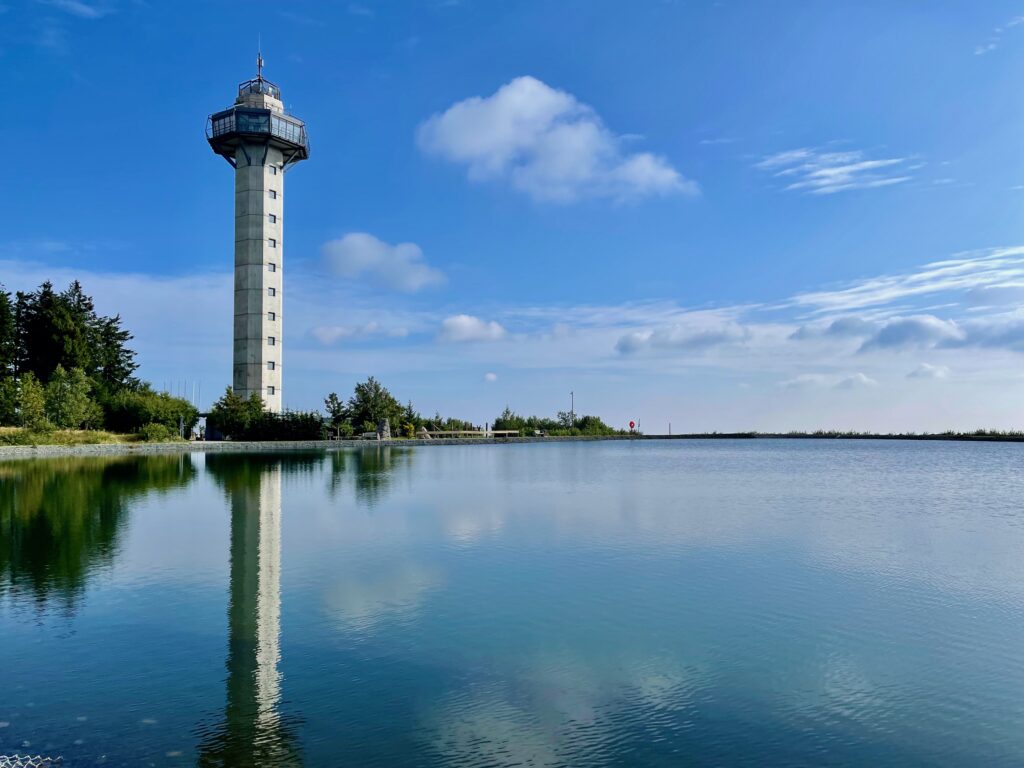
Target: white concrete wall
point(259, 267)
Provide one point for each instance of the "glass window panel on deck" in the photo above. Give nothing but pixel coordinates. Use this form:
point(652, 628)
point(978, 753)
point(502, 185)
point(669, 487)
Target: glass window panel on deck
point(253, 122)
point(223, 125)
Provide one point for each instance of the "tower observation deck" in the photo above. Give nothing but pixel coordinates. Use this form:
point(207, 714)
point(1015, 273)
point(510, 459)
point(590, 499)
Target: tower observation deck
point(261, 142)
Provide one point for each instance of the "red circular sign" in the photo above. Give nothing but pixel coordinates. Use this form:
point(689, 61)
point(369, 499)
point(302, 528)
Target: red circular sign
point(632, 424)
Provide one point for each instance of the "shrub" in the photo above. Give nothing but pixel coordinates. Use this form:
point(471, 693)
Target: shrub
point(157, 433)
point(244, 419)
point(290, 425)
point(131, 410)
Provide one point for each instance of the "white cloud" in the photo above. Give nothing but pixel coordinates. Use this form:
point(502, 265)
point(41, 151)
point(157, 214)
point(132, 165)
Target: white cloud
point(805, 381)
point(994, 332)
point(490, 377)
point(819, 380)
point(682, 338)
point(399, 267)
point(856, 381)
point(461, 328)
point(842, 327)
point(547, 144)
point(330, 334)
point(914, 331)
point(928, 371)
point(825, 173)
point(677, 363)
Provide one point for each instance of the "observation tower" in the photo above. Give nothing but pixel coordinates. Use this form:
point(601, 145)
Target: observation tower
point(261, 142)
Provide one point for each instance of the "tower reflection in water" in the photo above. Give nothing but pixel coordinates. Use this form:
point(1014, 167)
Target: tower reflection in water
point(253, 731)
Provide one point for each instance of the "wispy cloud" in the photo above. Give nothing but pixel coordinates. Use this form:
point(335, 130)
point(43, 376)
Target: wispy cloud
point(863, 336)
point(998, 268)
point(996, 38)
point(548, 144)
point(856, 381)
point(300, 18)
point(929, 371)
point(357, 9)
point(79, 8)
point(818, 172)
point(331, 334)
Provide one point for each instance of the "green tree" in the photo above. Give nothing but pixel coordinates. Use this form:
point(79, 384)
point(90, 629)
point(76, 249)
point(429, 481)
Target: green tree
point(50, 333)
point(233, 414)
point(8, 335)
point(8, 401)
point(114, 362)
point(68, 405)
point(337, 414)
point(32, 404)
point(371, 402)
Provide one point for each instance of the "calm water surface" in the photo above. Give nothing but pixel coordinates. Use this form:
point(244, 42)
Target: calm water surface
point(587, 604)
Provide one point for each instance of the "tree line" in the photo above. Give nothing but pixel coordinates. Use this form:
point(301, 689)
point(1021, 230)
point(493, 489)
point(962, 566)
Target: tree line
point(64, 366)
point(369, 405)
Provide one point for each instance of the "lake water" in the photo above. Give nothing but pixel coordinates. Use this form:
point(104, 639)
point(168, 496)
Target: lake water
point(667, 603)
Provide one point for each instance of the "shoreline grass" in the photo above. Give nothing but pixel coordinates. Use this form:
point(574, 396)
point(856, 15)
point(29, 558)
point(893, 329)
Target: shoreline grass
point(20, 436)
point(14, 438)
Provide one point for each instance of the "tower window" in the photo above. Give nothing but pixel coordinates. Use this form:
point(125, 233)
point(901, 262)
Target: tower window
point(270, 365)
point(273, 170)
point(272, 242)
point(271, 316)
point(271, 341)
point(270, 390)
point(272, 266)
point(272, 217)
point(273, 194)
point(271, 291)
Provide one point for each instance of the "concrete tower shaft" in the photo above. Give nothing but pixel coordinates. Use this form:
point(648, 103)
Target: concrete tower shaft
point(261, 141)
point(259, 269)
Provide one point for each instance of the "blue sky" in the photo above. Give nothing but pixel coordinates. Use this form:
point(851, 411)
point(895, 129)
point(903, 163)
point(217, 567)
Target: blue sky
point(723, 215)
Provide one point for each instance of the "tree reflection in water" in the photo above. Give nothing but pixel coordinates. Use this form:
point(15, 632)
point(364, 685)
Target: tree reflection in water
point(61, 519)
point(371, 470)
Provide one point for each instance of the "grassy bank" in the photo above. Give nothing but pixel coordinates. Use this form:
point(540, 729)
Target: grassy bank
point(21, 436)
